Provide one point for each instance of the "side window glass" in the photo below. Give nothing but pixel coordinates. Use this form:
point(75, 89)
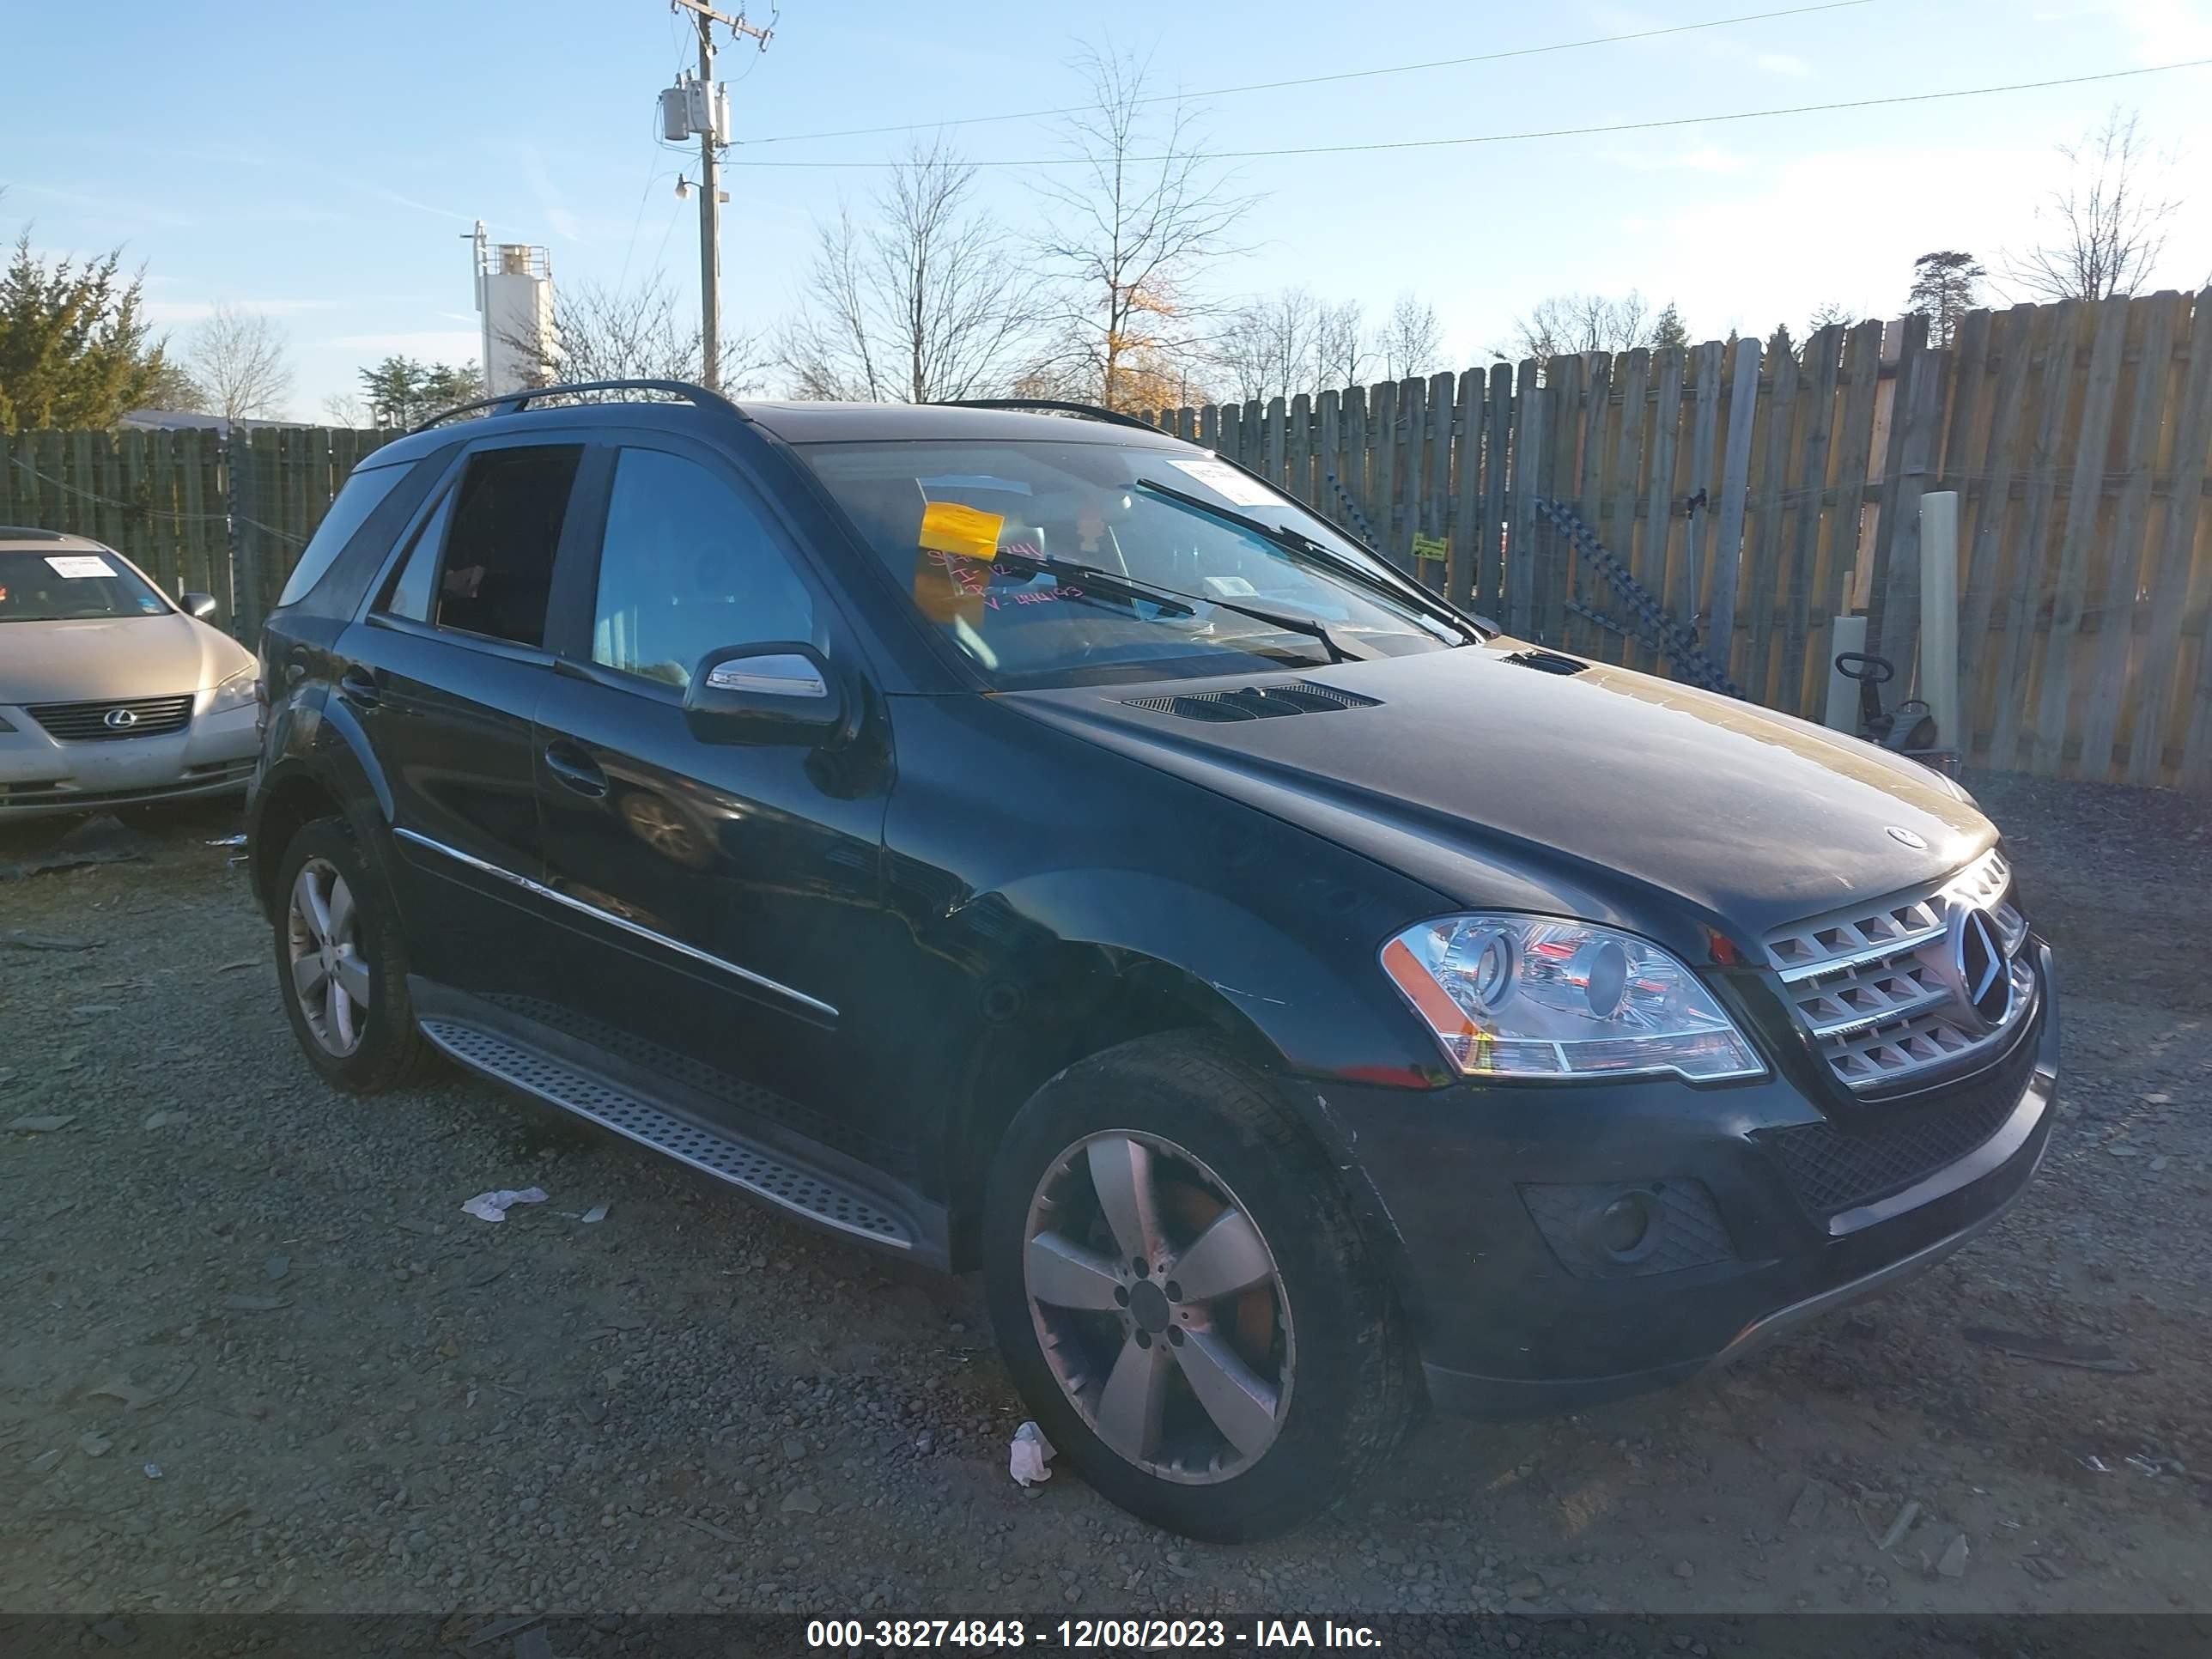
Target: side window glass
point(687, 567)
point(409, 596)
point(496, 576)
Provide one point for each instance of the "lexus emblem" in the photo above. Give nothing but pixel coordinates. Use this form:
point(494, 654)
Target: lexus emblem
point(1906, 837)
point(1980, 972)
point(118, 720)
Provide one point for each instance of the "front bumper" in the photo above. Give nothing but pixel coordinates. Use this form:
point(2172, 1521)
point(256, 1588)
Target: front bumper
point(1518, 1317)
point(38, 776)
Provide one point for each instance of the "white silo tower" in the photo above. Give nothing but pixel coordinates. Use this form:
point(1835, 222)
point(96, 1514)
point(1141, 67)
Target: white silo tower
point(515, 297)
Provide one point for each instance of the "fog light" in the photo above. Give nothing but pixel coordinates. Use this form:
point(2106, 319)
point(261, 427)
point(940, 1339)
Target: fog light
point(1625, 1224)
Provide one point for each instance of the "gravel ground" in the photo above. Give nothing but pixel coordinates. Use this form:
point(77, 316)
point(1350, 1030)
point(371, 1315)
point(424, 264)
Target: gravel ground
point(257, 1358)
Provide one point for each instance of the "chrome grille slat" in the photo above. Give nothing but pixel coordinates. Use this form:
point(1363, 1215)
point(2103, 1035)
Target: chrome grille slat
point(1863, 978)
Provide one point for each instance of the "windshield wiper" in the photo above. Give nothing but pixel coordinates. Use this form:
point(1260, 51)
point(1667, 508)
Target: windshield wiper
point(1302, 546)
point(1174, 598)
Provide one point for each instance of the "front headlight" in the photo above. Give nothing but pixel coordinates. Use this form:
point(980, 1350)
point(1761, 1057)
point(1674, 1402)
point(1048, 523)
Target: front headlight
point(1512, 996)
point(236, 692)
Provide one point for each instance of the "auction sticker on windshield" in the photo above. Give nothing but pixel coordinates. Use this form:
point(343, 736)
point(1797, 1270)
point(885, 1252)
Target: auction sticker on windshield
point(1241, 490)
point(79, 564)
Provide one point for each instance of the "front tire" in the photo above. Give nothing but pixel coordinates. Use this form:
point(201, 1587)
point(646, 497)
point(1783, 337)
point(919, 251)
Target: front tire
point(1184, 1298)
point(341, 964)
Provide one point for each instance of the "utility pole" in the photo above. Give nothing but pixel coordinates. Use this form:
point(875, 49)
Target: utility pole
point(707, 112)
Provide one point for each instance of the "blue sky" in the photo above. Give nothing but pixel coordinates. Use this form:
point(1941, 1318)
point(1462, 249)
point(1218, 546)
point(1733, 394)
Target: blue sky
point(324, 164)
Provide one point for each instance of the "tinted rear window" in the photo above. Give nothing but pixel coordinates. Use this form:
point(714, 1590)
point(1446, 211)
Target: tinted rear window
point(362, 494)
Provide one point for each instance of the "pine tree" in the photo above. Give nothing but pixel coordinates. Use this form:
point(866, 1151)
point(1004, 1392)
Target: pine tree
point(74, 350)
point(1669, 329)
point(1943, 291)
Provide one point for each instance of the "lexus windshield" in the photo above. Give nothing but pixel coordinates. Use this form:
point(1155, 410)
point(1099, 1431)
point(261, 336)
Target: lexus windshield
point(72, 586)
point(1058, 564)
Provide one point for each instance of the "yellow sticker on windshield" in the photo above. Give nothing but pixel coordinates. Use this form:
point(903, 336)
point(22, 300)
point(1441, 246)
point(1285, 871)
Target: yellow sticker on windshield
point(949, 527)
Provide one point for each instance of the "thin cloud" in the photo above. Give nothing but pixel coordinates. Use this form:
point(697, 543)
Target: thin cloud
point(106, 207)
point(384, 195)
point(430, 345)
point(565, 223)
point(174, 311)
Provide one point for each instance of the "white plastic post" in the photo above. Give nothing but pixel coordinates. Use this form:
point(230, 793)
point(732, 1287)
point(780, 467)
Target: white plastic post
point(1938, 614)
point(1844, 633)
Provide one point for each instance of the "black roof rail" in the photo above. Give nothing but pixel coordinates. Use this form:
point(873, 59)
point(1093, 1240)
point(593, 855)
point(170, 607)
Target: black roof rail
point(510, 403)
point(1050, 406)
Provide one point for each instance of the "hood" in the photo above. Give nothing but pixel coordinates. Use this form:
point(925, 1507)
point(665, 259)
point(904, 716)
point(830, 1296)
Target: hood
point(114, 657)
point(1498, 784)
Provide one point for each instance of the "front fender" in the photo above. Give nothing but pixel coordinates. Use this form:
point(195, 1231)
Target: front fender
point(1316, 998)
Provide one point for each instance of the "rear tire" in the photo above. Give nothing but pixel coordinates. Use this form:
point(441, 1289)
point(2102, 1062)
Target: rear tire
point(341, 963)
point(1276, 1380)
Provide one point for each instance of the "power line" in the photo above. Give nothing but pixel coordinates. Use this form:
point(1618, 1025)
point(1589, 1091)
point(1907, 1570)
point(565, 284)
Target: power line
point(1559, 133)
point(1320, 80)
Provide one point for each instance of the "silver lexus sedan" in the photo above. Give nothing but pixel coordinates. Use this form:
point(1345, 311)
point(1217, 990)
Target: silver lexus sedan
point(110, 693)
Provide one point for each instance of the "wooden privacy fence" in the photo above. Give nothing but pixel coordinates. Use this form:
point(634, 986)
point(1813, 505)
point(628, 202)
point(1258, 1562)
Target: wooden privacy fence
point(197, 511)
point(1763, 491)
point(1757, 490)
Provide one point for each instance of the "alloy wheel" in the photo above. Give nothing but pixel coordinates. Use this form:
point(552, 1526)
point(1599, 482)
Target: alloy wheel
point(1159, 1307)
point(330, 975)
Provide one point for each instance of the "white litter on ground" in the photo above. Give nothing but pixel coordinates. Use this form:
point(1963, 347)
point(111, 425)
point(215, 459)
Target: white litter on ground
point(493, 1206)
point(1027, 1458)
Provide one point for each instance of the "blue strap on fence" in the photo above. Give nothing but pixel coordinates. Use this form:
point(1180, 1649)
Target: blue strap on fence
point(1675, 642)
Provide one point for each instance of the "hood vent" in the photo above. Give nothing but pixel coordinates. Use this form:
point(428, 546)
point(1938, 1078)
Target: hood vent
point(1254, 702)
point(1547, 662)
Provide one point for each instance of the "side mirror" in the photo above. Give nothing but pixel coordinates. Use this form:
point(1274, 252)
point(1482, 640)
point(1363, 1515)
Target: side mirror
point(197, 605)
point(781, 691)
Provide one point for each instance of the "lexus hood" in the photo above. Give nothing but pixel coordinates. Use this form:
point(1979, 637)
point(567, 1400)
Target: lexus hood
point(114, 657)
point(1499, 783)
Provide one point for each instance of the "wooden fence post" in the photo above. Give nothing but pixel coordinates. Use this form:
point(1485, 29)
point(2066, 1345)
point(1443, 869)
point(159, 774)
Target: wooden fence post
point(2167, 574)
point(1735, 491)
point(2047, 739)
point(1893, 599)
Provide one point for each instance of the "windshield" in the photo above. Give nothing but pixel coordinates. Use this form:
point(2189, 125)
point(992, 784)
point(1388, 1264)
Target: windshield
point(72, 586)
point(1058, 563)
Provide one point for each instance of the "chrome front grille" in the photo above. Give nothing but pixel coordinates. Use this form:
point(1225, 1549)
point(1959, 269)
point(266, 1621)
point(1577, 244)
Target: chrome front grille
point(117, 718)
point(1877, 986)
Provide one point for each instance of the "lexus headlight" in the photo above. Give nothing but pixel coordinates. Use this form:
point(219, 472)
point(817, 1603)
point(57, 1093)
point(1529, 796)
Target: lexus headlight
point(1514, 996)
point(236, 692)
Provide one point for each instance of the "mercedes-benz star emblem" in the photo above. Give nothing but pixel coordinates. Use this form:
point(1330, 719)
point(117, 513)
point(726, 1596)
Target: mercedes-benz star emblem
point(118, 720)
point(1906, 838)
point(1978, 970)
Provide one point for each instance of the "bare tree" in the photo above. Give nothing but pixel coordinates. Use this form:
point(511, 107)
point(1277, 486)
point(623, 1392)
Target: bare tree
point(1565, 325)
point(2107, 222)
point(924, 304)
point(1411, 341)
point(240, 361)
point(1340, 346)
point(602, 333)
point(1269, 347)
point(1129, 235)
point(346, 409)
point(1828, 312)
point(1945, 286)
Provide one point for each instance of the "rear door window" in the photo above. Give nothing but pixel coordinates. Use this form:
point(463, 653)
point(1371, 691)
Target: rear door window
point(496, 578)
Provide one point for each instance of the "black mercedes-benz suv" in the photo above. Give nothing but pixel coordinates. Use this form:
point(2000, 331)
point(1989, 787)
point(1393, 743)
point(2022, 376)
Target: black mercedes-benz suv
point(1022, 840)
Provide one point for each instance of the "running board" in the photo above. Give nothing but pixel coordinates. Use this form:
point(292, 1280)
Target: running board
point(772, 1177)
